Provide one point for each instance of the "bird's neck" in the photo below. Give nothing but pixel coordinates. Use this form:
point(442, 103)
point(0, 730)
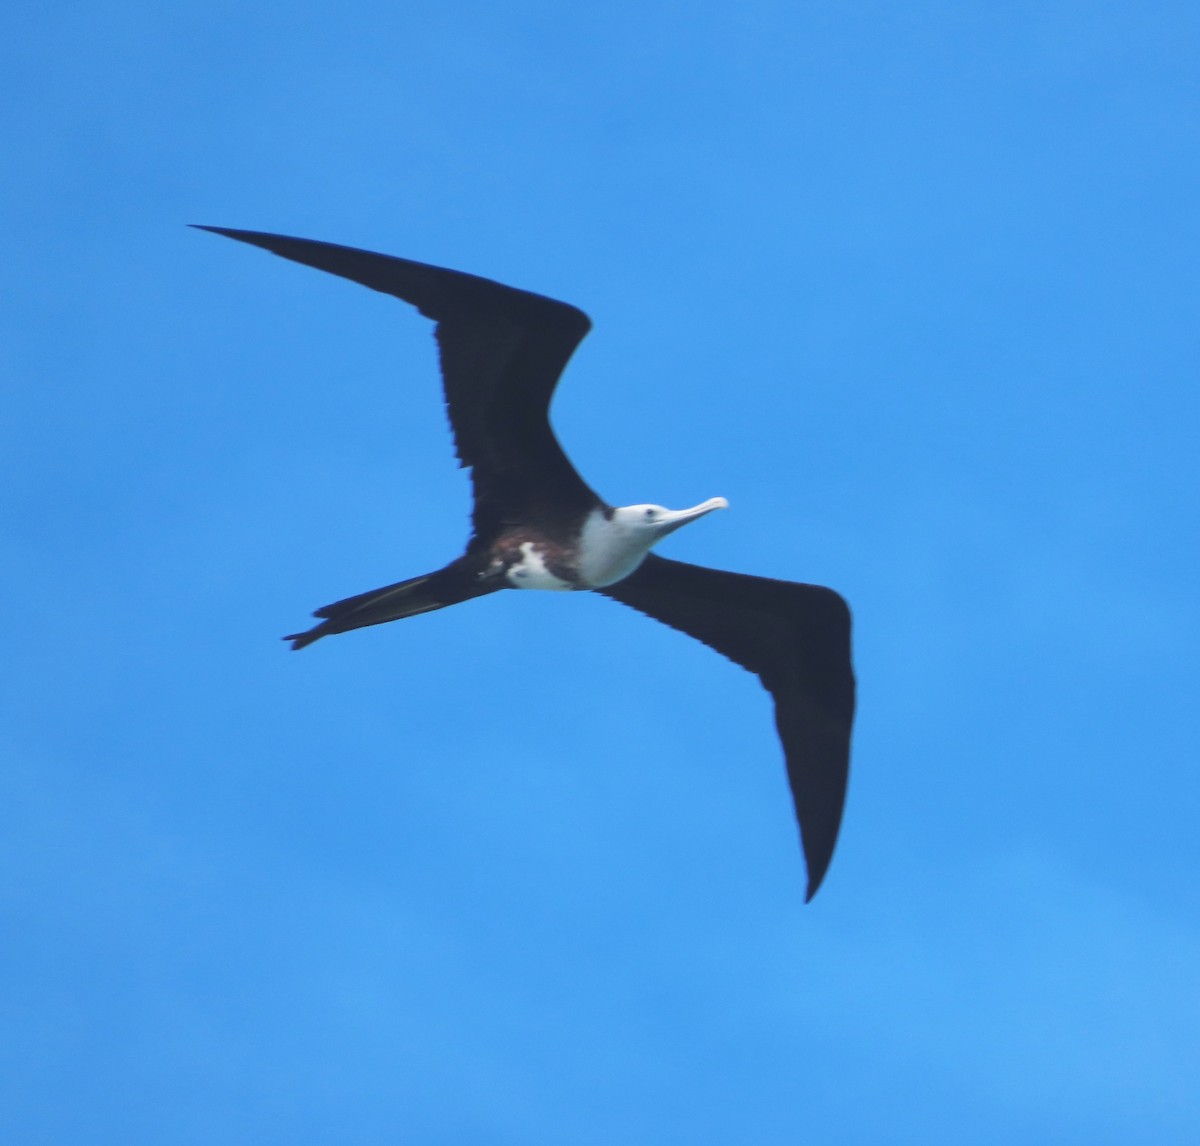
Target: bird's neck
point(608, 551)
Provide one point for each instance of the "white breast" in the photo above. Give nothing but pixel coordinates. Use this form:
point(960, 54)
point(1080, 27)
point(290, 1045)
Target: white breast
point(531, 572)
point(609, 551)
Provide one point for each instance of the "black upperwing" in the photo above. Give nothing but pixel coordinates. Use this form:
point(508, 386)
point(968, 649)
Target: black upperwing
point(502, 351)
point(797, 639)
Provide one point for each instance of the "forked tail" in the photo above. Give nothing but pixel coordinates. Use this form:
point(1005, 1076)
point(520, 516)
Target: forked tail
point(394, 602)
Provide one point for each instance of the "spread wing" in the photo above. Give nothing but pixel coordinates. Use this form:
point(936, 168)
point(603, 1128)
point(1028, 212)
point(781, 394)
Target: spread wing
point(502, 351)
point(796, 638)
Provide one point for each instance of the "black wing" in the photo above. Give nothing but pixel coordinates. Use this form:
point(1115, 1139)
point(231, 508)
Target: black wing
point(797, 639)
point(502, 351)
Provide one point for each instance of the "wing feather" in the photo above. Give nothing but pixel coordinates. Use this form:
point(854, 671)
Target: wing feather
point(502, 351)
point(796, 639)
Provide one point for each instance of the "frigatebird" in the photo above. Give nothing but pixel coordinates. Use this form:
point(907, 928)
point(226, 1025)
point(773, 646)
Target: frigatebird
point(538, 525)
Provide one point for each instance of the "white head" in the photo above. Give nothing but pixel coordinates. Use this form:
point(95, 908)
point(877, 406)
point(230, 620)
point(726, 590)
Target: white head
point(614, 546)
point(654, 522)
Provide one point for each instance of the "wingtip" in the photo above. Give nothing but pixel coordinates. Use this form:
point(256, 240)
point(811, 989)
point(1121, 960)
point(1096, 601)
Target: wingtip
point(815, 879)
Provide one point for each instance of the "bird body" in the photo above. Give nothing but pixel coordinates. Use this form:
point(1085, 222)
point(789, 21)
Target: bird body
point(537, 525)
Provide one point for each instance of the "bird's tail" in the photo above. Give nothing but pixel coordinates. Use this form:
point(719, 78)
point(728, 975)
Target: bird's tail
point(393, 602)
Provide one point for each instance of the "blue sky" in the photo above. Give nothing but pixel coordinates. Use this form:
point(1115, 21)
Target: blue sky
point(913, 285)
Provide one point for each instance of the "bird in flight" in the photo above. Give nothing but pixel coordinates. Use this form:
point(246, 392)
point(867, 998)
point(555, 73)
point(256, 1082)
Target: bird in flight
point(538, 525)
